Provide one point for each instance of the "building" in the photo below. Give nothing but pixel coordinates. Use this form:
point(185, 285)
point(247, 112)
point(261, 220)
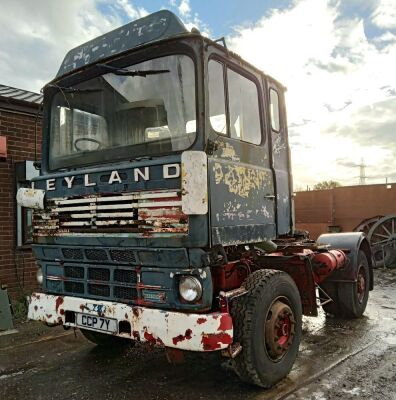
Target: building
point(343, 208)
point(20, 115)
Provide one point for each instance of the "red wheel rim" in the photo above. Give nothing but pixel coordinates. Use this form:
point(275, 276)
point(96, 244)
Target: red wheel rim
point(361, 284)
point(279, 329)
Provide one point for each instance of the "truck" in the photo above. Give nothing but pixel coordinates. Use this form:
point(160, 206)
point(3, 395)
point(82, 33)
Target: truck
point(163, 212)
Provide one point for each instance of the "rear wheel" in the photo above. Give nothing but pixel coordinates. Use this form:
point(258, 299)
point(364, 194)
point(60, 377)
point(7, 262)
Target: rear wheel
point(349, 299)
point(105, 340)
point(331, 289)
point(267, 324)
point(353, 297)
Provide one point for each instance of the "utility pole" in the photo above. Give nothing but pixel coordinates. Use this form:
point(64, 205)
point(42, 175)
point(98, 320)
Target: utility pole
point(362, 176)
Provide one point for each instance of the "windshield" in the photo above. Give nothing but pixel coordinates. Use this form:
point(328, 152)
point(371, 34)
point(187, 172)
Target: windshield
point(122, 115)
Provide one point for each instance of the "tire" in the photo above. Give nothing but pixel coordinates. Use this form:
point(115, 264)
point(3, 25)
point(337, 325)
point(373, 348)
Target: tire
point(105, 340)
point(333, 307)
point(353, 297)
point(268, 352)
point(349, 299)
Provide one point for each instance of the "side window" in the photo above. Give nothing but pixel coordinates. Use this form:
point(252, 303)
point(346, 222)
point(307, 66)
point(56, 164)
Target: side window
point(217, 113)
point(244, 108)
point(274, 110)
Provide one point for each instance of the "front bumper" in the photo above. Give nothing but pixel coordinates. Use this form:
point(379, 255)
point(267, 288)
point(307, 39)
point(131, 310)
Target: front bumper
point(194, 332)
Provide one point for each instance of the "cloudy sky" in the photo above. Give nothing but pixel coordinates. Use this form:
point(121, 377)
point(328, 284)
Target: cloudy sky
point(337, 59)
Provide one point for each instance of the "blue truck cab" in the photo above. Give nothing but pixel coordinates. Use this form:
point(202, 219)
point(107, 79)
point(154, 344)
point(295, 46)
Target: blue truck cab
point(165, 166)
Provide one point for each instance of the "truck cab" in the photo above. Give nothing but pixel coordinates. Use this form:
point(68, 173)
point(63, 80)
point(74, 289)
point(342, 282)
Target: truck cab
point(165, 163)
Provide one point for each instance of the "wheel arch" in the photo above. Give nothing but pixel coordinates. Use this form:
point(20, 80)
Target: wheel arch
point(352, 242)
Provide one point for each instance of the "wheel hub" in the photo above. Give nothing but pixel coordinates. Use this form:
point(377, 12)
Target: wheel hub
point(361, 284)
point(279, 329)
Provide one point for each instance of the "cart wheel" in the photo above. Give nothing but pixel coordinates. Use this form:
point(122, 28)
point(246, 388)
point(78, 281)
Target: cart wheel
point(382, 237)
point(267, 324)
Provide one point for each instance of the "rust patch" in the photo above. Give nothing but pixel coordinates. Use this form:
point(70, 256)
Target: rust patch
point(225, 323)
point(48, 315)
point(201, 320)
point(61, 311)
point(126, 316)
point(135, 312)
point(214, 341)
point(180, 338)
point(151, 339)
point(136, 335)
point(59, 301)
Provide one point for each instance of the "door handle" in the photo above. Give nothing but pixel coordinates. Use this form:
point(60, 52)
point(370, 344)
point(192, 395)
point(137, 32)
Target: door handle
point(269, 196)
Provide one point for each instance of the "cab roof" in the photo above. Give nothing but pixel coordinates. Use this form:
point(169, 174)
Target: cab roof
point(152, 28)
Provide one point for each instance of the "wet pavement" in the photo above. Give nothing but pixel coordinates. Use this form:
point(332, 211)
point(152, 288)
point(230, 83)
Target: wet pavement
point(338, 359)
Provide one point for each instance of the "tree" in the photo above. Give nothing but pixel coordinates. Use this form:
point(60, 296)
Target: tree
point(327, 185)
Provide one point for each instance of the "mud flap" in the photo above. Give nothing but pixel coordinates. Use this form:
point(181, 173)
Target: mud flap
point(351, 242)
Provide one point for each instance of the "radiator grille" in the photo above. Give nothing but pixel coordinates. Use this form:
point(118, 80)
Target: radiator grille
point(96, 254)
point(98, 290)
point(74, 287)
point(140, 213)
point(125, 276)
point(99, 274)
point(74, 272)
point(125, 293)
point(126, 256)
point(74, 254)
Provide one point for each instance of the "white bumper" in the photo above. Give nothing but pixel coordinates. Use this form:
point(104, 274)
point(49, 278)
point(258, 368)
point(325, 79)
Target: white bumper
point(195, 332)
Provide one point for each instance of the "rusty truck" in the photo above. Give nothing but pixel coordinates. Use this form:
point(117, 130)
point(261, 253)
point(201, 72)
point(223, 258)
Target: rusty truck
point(163, 212)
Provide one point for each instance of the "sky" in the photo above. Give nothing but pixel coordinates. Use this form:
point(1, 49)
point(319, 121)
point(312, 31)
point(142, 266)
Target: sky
point(336, 57)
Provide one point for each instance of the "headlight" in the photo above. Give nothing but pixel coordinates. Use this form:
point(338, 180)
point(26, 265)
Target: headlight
point(190, 288)
point(39, 276)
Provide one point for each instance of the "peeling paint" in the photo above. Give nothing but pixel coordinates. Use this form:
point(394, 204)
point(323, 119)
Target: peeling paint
point(180, 338)
point(227, 151)
point(240, 180)
point(214, 341)
point(184, 331)
point(58, 303)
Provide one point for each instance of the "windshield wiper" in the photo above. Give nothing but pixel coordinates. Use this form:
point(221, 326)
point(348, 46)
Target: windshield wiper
point(126, 72)
point(74, 90)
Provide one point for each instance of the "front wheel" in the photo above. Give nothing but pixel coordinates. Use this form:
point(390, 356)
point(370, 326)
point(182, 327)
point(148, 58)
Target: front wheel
point(267, 324)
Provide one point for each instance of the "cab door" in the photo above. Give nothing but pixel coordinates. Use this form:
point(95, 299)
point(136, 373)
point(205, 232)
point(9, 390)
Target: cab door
point(241, 180)
point(280, 158)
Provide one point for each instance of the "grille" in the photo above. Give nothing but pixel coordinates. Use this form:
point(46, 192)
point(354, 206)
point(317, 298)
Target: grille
point(138, 213)
point(74, 272)
point(126, 293)
point(125, 276)
point(54, 286)
point(126, 256)
point(99, 290)
point(74, 254)
point(99, 274)
point(74, 287)
point(96, 254)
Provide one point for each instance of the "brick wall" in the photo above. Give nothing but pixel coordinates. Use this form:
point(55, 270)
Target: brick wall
point(17, 265)
point(344, 207)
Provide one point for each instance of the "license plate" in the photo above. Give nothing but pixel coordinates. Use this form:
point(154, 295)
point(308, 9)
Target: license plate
point(96, 323)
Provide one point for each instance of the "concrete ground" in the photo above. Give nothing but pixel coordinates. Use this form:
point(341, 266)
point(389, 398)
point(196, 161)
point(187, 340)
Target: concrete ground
point(338, 359)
